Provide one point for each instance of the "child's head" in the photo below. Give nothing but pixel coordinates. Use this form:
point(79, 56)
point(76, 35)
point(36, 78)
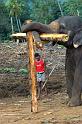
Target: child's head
point(37, 56)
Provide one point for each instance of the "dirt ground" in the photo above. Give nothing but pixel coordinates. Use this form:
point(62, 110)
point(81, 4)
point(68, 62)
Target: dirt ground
point(15, 103)
point(51, 110)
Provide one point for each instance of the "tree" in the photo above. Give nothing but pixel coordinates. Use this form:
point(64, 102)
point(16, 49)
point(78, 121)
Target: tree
point(72, 7)
point(44, 10)
point(25, 13)
point(4, 22)
point(15, 11)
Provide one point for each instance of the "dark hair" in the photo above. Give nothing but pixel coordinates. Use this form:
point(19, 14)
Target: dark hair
point(37, 54)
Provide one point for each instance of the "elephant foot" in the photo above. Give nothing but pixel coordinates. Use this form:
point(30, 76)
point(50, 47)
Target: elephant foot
point(72, 103)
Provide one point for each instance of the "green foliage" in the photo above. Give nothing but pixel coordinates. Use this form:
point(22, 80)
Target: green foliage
point(44, 10)
point(4, 22)
point(7, 70)
point(23, 71)
point(25, 13)
point(14, 7)
point(72, 7)
point(37, 10)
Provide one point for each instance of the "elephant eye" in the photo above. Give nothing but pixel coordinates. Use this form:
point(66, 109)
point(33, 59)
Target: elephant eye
point(62, 26)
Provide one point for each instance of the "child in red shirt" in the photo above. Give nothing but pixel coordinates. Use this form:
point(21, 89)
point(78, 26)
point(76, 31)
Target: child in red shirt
point(40, 72)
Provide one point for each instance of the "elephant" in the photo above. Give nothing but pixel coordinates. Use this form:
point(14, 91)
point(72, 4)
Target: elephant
point(71, 25)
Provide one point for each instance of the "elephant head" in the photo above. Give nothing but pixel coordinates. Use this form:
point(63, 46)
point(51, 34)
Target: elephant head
point(65, 25)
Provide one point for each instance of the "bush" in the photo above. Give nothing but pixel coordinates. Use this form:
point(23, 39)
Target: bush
point(23, 71)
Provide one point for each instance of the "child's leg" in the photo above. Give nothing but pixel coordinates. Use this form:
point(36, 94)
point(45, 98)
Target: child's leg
point(39, 89)
point(43, 81)
point(38, 85)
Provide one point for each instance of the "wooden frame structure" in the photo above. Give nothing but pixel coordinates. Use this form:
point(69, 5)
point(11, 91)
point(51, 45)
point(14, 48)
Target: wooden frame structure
point(30, 40)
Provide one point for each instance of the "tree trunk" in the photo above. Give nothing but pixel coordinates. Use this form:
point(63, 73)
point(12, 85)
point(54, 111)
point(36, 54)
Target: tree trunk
point(17, 24)
point(12, 25)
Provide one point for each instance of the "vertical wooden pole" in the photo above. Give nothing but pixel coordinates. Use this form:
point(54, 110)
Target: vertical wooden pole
point(34, 106)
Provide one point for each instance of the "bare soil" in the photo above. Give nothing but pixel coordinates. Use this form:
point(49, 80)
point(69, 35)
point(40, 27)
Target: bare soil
point(15, 101)
point(51, 110)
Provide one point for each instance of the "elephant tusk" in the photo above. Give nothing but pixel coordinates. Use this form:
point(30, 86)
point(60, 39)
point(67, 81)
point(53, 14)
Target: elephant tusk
point(75, 45)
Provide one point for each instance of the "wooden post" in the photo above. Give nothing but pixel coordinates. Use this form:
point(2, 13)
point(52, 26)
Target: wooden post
point(34, 106)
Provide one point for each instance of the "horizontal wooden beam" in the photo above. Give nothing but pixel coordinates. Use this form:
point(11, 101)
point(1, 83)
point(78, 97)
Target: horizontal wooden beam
point(47, 37)
point(18, 35)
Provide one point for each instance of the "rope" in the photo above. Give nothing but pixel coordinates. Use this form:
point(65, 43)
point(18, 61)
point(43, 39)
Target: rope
point(48, 78)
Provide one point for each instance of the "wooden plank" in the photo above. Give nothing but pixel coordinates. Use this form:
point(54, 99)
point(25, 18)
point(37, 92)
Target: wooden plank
point(29, 37)
point(18, 35)
point(54, 36)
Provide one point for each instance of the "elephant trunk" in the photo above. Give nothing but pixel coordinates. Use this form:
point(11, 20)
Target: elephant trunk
point(36, 26)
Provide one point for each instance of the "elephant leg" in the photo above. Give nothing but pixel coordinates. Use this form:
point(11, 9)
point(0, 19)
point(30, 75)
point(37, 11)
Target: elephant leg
point(69, 71)
point(69, 84)
point(76, 89)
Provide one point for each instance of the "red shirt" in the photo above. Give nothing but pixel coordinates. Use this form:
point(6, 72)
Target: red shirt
point(40, 67)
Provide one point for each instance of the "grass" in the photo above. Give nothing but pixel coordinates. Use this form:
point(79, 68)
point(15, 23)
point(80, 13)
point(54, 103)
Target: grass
point(22, 71)
point(7, 70)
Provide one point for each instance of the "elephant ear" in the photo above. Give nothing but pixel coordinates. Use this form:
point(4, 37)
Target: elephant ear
point(77, 40)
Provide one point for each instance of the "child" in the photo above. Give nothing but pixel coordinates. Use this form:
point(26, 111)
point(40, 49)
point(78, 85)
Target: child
point(40, 72)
